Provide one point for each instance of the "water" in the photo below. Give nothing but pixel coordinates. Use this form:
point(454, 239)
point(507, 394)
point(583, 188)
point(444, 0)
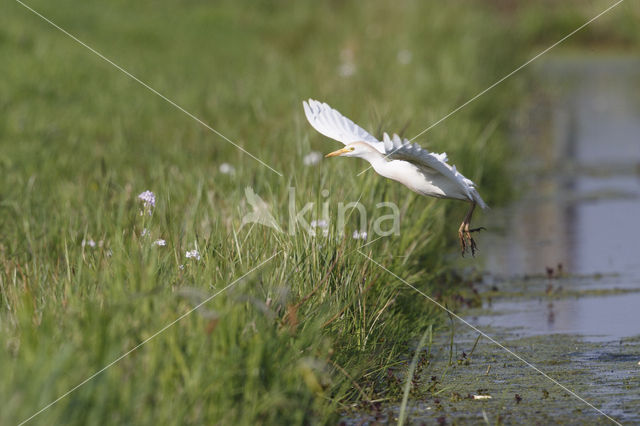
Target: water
point(564, 260)
point(581, 316)
point(562, 288)
point(580, 208)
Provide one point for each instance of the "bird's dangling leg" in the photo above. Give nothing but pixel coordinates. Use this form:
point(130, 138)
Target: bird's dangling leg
point(464, 233)
point(463, 245)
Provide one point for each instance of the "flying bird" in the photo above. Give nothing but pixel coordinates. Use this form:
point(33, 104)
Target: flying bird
point(424, 172)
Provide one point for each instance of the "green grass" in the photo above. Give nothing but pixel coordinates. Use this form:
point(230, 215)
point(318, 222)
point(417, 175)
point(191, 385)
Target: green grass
point(316, 328)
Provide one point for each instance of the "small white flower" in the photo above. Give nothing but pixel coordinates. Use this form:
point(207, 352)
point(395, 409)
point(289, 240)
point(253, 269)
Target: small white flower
point(322, 224)
point(227, 169)
point(347, 69)
point(359, 235)
point(193, 254)
point(181, 267)
point(144, 232)
point(405, 57)
point(319, 224)
point(347, 66)
point(160, 242)
point(89, 243)
point(312, 158)
point(148, 198)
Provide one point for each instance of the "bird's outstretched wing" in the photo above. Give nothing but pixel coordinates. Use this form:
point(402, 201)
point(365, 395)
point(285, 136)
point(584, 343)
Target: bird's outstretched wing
point(334, 125)
point(397, 148)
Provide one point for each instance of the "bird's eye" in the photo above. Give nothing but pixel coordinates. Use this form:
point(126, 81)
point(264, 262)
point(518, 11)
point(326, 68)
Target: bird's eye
point(352, 148)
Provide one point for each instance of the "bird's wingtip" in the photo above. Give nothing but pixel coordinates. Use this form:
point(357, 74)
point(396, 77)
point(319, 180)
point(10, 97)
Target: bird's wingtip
point(480, 201)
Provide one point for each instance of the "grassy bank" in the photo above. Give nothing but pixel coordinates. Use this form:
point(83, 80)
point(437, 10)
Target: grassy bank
point(317, 326)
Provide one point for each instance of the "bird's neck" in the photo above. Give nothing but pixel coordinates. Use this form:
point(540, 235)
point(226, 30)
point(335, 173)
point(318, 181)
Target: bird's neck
point(379, 162)
point(374, 157)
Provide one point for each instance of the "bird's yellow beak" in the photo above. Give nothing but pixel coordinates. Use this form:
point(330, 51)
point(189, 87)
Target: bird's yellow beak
point(336, 153)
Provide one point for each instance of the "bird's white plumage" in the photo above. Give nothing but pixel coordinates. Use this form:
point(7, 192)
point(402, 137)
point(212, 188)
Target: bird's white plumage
point(334, 125)
point(443, 176)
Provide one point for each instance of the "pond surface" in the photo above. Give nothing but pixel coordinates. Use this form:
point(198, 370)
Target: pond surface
point(580, 208)
point(562, 281)
point(563, 261)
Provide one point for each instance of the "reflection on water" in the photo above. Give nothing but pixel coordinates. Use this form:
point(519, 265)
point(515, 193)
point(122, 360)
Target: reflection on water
point(581, 316)
point(581, 202)
point(580, 208)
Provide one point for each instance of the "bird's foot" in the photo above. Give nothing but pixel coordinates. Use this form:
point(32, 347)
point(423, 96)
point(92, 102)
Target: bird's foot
point(467, 243)
point(472, 243)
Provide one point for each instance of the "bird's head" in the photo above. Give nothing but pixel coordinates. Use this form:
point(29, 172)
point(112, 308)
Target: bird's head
point(355, 149)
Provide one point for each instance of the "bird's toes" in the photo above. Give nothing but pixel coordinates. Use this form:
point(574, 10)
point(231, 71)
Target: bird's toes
point(463, 245)
point(474, 247)
point(478, 229)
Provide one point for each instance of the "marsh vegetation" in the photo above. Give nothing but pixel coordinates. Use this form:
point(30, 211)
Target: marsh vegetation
point(308, 327)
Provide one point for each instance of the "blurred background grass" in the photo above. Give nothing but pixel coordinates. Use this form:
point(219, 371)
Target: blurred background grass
point(317, 328)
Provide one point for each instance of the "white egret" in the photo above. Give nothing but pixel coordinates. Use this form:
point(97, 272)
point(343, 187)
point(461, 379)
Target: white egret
point(424, 172)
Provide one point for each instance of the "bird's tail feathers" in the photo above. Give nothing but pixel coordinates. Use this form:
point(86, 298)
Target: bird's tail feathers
point(478, 199)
